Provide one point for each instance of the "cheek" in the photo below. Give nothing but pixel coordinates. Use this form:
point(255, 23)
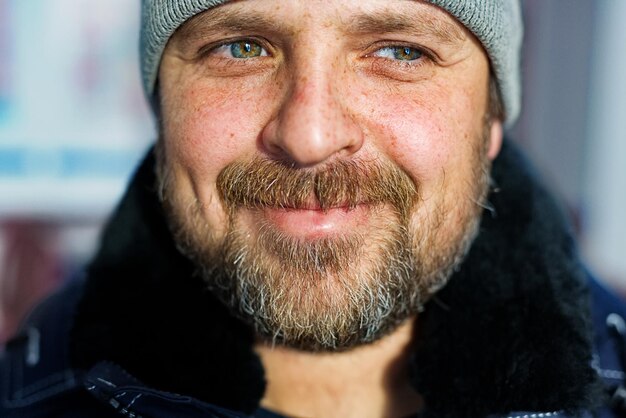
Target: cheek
point(425, 136)
point(208, 127)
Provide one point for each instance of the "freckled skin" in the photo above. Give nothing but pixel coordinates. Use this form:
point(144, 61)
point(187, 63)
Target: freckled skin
point(318, 96)
point(321, 95)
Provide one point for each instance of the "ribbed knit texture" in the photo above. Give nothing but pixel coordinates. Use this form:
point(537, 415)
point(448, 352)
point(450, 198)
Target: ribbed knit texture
point(159, 20)
point(496, 23)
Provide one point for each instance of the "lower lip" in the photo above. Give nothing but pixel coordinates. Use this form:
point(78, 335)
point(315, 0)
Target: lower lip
point(308, 223)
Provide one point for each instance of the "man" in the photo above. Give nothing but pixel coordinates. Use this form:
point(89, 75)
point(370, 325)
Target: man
point(309, 238)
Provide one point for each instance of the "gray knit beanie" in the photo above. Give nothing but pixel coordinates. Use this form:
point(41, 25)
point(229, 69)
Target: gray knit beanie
point(496, 23)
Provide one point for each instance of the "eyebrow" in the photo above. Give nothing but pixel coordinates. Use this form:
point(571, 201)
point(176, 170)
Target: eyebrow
point(221, 19)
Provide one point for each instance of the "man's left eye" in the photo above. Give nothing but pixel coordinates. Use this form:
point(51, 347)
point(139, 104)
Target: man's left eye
point(400, 53)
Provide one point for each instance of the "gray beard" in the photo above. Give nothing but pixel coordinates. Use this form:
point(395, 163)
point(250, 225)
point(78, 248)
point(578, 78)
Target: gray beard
point(304, 311)
point(312, 295)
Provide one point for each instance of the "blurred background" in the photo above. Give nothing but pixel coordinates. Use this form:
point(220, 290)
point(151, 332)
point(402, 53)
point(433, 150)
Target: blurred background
point(73, 125)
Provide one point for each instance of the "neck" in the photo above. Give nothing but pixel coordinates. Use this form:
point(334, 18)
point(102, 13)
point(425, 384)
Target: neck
point(367, 381)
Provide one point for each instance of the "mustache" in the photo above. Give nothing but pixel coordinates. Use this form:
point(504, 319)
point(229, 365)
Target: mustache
point(259, 183)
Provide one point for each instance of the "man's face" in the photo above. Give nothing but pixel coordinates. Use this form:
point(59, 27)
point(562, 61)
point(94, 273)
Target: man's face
point(323, 162)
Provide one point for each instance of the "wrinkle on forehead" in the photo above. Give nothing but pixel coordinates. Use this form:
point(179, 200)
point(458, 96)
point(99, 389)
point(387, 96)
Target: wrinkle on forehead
point(420, 19)
point(388, 21)
point(223, 18)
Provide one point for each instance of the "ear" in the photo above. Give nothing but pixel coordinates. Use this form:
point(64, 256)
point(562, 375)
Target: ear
point(495, 139)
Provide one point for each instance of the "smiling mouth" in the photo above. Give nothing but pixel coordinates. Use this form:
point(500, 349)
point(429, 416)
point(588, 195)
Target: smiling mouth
point(311, 220)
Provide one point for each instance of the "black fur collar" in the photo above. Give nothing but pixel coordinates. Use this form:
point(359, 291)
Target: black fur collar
point(509, 332)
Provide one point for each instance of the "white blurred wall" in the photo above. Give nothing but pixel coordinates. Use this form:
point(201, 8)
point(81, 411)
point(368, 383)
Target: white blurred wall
point(604, 174)
point(74, 121)
point(573, 123)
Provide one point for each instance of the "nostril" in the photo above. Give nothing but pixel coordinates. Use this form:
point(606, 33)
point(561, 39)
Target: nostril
point(269, 140)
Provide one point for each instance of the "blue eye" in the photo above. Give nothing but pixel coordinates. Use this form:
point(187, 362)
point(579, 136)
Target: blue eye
point(400, 53)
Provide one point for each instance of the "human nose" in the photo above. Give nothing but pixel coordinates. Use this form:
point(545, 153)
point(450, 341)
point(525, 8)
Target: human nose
point(313, 124)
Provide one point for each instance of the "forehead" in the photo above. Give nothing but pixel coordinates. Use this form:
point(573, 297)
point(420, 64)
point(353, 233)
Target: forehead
point(349, 16)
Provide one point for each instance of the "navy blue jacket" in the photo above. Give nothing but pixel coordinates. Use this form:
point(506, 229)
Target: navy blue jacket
point(520, 327)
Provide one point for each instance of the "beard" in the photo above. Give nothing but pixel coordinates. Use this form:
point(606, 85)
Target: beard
point(339, 291)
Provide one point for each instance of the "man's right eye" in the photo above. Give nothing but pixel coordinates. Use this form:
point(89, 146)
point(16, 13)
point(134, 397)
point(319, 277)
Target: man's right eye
point(243, 49)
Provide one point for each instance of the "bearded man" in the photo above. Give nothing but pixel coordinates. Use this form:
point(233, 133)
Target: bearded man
point(329, 225)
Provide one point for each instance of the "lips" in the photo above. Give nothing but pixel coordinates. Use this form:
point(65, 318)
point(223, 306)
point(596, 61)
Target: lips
point(311, 221)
